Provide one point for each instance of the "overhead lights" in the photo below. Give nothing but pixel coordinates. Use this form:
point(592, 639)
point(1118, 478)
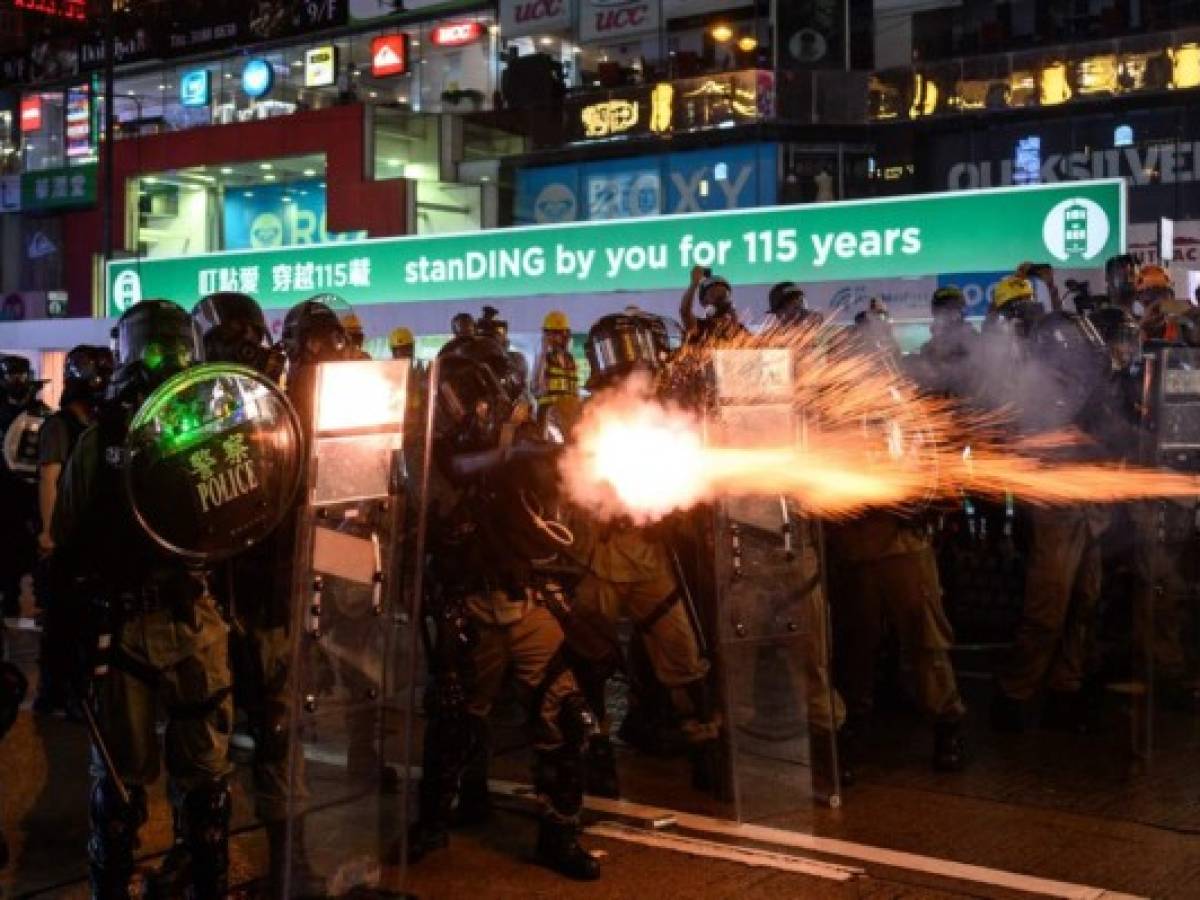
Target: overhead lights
point(266, 167)
point(268, 177)
point(247, 193)
point(225, 170)
point(395, 163)
point(150, 179)
point(721, 33)
point(747, 43)
point(546, 41)
point(309, 173)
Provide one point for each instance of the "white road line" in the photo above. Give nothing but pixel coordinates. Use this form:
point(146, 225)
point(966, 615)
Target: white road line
point(892, 859)
point(748, 856)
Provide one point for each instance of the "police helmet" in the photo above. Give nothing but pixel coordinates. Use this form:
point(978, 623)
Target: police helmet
point(622, 343)
point(948, 299)
point(16, 376)
point(232, 328)
point(313, 333)
point(477, 390)
point(155, 340)
point(463, 325)
point(87, 372)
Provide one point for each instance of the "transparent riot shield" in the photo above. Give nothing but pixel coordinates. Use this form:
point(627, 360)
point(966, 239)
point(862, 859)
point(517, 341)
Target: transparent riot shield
point(1164, 690)
point(772, 618)
point(358, 527)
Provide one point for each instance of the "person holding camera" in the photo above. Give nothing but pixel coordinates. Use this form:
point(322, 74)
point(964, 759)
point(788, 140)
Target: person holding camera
point(720, 322)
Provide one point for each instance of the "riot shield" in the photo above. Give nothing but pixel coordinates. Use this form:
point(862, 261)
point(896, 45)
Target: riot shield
point(1166, 562)
point(359, 523)
point(772, 619)
point(214, 462)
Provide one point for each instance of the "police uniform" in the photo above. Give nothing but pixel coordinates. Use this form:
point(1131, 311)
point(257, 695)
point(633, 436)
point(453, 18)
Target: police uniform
point(500, 610)
point(170, 652)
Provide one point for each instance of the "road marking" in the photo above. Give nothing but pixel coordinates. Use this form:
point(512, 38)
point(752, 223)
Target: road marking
point(863, 853)
point(748, 856)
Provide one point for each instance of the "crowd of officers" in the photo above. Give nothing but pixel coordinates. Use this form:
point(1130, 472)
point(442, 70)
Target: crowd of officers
point(521, 584)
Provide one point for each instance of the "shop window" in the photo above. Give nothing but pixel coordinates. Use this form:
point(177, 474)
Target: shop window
point(444, 208)
point(406, 145)
point(42, 130)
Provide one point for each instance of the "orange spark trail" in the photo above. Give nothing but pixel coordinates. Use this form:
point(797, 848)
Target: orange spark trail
point(871, 439)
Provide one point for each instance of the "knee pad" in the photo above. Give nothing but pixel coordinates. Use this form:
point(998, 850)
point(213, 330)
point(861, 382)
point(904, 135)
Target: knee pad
point(576, 721)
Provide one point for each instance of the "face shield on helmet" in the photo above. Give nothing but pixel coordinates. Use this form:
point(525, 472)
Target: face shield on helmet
point(16, 379)
point(621, 344)
point(477, 393)
point(232, 328)
point(312, 333)
point(87, 372)
point(155, 340)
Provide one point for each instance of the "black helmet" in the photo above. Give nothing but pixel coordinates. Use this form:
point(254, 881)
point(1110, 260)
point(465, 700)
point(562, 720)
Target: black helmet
point(312, 333)
point(463, 325)
point(1120, 332)
point(491, 325)
point(87, 372)
point(782, 294)
point(620, 344)
point(155, 340)
point(477, 390)
point(948, 299)
point(232, 328)
point(16, 378)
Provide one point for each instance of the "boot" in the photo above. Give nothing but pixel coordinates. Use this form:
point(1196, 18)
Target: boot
point(558, 848)
point(1007, 714)
point(113, 839)
point(206, 813)
point(558, 776)
point(295, 877)
point(949, 752)
point(601, 762)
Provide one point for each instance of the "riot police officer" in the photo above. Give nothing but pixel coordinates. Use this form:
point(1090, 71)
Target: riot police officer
point(886, 571)
point(631, 572)
point(19, 406)
point(86, 374)
point(231, 328)
point(1057, 367)
point(493, 554)
point(945, 363)
point(169, 641)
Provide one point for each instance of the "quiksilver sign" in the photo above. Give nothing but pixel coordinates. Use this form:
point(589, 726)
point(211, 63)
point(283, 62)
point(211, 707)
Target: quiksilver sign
point(1174, 163)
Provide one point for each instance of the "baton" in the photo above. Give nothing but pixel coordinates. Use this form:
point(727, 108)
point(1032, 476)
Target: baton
point(689, 603)
point(98, 742)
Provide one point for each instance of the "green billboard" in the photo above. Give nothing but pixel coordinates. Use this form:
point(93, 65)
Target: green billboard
point(1075, 225)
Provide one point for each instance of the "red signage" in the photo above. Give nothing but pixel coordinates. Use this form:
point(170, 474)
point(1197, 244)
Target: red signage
point(63, 9)
point(456, 34)
point(389, 55)
point(31, 113)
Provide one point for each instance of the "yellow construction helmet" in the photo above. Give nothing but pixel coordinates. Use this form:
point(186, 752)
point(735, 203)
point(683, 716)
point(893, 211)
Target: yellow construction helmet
point(556, 320)
point(1011, 289)
point(400, 337)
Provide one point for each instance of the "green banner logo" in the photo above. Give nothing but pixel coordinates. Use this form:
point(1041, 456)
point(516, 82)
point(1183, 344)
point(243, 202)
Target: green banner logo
point(1076, 230)
point(1077, 224)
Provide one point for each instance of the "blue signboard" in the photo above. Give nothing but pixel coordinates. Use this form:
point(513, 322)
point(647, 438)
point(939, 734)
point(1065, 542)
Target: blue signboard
point(257, 78)
point(195, 88)
point(734, 177)
point(977, 288)
point(279, 215)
